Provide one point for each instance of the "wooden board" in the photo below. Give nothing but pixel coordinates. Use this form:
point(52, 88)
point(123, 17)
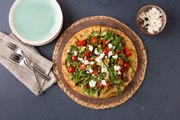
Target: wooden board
point(93, 102)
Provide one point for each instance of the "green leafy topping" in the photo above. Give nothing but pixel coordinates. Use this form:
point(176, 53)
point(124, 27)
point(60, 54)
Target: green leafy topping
point(82, 77)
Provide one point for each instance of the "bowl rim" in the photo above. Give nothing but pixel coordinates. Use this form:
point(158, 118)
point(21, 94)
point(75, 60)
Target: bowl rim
point(150, 6)
point(44, 41)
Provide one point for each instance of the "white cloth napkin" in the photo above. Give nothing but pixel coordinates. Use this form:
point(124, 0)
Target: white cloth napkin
point(23, 74)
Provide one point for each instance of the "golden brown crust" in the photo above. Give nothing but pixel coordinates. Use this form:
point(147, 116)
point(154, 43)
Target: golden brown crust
point(83, 34)
point(103, 29)
point(110, 93)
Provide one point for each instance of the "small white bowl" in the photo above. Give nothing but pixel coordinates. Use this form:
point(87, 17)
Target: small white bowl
point(146, 8)
point(31, 29)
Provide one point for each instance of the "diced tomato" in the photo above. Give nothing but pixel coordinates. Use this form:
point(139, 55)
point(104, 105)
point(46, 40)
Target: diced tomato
point(127, 52)
point(115, 52)
point(95, 66)
point(103, 43)
point(100, 85)
point(120, 76)
point(122, 70)
point(87, 54)
point(87, 86)
point(81, 43)
point(126, 65)
point(90, 54)
point(120, 62)
point(109, 85)
point(71, 69)
point(99, 41)
point(106, 50)
point(90, 59)
point(95, 72)
point(82, 67)
point(122, 51)
point(93, 40)
point(74, 58)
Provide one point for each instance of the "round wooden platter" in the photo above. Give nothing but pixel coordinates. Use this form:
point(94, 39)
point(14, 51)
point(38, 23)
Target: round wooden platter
point(94, 102)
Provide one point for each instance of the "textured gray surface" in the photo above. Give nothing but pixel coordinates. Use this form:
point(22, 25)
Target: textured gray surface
point(157, 99)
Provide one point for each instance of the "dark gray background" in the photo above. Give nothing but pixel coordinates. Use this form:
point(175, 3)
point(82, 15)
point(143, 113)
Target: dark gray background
point(158, 97)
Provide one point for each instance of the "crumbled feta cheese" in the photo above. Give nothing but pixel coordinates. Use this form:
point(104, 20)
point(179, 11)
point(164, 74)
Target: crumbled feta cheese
point(114, 47)
point(105, 57)
point(87, 72)
point(110, 45)
point(75, 53)
point(90, 48)
point(101, 56)
point(110, 54)
point(80, 59)
point(96, 51)
point(92, 62)
point(116, 67)
point(90, 70)
point(115, 56)
point(97, 60)
point(103, 82)
point(92, 83)
point(86, 62)
point(119, 72)
point(104, 69)
point(68, 51)
point(152, 20)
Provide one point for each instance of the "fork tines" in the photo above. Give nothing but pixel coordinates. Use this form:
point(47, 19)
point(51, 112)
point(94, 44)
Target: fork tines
point(11, 45)
point(16, 57)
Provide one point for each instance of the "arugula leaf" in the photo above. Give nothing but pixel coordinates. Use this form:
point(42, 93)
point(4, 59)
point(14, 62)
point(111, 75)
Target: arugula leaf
point(94, 34)
point(90, 91)
point(102, 34)
point(109, 35)
point(118, 42)
point(78, 76)
point(131, 65)
point(112, 61)
point(119, 89)
point(82, 49)
point(89, 40)
point(68, 58)
point(73, 48)
point(117, 80)
point(123, 56)
point(80, 55)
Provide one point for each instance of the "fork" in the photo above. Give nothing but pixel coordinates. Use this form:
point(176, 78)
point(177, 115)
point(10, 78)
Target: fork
point(23, 62)
point(18, 50)
point(19, 59)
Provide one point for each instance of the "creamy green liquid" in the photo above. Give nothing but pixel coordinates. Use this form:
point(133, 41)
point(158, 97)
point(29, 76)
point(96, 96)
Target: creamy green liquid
point(35, 20)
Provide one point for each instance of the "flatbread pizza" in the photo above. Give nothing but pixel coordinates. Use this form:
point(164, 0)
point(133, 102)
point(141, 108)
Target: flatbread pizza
point(99, 62)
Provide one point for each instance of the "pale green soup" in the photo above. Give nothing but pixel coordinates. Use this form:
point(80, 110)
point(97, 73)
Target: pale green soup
point(35, 20)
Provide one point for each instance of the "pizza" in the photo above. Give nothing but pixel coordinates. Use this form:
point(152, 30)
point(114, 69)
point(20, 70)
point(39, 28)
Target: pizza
point(99, 62)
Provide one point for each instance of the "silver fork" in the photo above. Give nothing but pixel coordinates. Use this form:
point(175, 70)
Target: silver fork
point(24, 62)
point(18, 50)
point(20, 60)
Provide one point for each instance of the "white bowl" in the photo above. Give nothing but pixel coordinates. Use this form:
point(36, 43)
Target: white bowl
point(26, 20)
